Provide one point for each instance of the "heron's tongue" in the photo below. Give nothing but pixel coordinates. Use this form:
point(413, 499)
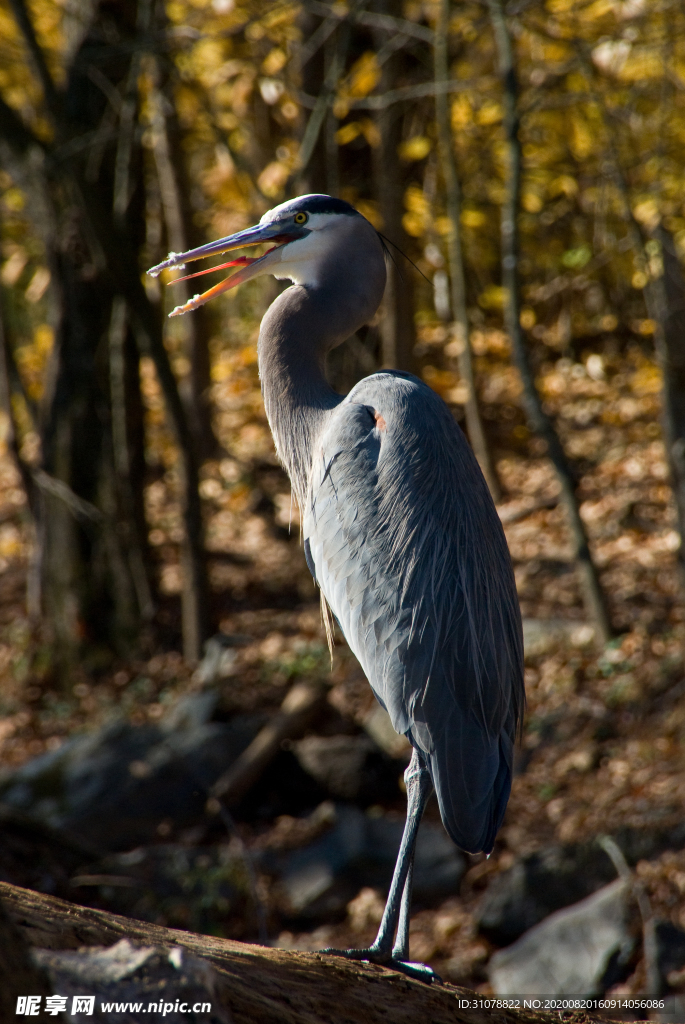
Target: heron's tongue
point(242, 261)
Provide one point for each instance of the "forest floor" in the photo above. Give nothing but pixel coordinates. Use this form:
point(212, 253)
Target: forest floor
point(602, 748)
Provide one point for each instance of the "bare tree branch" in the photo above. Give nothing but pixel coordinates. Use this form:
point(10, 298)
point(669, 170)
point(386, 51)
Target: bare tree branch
point(408, 92)
point(149, 336)
point(306, 51)
point(323, 102)
point(301, 705)
point(381, 21)
point(649, 939)
point(81, 509)
point(397, 327)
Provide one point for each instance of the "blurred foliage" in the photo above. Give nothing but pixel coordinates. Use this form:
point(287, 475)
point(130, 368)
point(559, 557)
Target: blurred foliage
point(602, 85)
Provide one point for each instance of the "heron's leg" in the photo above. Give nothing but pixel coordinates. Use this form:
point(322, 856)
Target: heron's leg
point(400, 951)
point(397, 907)
point(419, 786)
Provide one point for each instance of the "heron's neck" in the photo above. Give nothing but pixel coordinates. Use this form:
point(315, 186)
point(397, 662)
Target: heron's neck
point(295, 335)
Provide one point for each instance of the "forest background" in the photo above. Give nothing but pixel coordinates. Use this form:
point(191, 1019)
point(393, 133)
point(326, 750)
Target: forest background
point(528, 159)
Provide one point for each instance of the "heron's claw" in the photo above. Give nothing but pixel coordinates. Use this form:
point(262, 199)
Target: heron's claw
point(420, 972)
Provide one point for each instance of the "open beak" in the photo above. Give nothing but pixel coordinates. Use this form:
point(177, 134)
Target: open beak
point(250, 267)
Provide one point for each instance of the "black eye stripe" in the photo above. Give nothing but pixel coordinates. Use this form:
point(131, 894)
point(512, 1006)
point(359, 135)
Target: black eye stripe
point(323, 204)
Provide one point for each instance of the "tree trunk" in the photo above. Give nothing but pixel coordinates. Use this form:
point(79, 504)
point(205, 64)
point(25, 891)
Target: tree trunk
point(335, 49)
point(92, 586)
point(128, 444)
point(33, 496)
point(474, 423)
point(260, 985)
point(182, 234)
point(310, 176)
point(665, 303)
point(671, 354)
point(11, 436)
point(396, 327)
point(593, 595)
point(319, 167)
point(86, 591)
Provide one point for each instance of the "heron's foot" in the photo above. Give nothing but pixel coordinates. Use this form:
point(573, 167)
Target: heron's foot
point(373, 955)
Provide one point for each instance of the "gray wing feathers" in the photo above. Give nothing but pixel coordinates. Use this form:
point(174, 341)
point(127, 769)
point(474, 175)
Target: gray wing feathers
point(411, 557)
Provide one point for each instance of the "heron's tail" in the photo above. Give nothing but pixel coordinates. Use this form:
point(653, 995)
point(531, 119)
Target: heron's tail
point(471, 773)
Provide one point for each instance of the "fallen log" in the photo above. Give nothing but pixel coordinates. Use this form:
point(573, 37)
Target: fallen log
point(18, 975)
point(261, 985)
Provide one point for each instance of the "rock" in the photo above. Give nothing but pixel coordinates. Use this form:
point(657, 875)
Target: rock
point(112, 788)
point(320, 879)
point(209, 889)
point(128, 972)
point(350, 767)
point(190, 712)
point(438, 864)
point(220, 658)
point(647, 843)
point(284, 788)
point(206, 889)
point(104, 965)
point(670, 950)
point(379, 727)
point(571, 951)
point(558, 876)
point(36, 856)
point(538, 885)
point(308, 876)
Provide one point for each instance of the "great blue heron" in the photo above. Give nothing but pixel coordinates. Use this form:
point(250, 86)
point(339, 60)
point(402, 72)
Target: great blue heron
point(400, 532)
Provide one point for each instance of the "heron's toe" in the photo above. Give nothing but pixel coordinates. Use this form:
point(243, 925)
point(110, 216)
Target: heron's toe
point(372, 955)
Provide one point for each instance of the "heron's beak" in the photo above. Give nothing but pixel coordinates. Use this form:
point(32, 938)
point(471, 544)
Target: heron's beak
point(250, 267)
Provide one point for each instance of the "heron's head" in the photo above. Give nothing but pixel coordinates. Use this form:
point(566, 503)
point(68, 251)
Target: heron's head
point(313, 236)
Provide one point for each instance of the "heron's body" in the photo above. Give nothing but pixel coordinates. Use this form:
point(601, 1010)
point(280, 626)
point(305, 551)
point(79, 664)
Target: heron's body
point(400, 532)
point(424, 595)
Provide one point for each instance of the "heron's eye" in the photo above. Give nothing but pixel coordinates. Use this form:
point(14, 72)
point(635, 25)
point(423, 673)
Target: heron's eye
point(300, 218)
